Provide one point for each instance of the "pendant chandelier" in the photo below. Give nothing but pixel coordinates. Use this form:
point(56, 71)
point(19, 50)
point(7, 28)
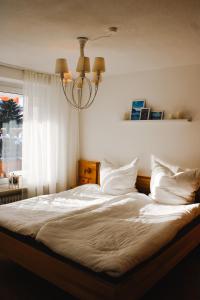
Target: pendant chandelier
point(81, 91)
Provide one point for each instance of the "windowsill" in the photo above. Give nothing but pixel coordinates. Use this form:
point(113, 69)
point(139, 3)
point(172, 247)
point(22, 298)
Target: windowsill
point(3, 181)
point(6, 187)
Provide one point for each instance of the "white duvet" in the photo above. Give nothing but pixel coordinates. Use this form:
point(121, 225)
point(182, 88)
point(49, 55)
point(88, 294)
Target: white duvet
point(110, 234)
point(119, 234)
point(28, 216)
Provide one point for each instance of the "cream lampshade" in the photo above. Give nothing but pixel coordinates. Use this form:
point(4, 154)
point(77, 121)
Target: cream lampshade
point(99, 65)
point(61, 66)
point(83, 64)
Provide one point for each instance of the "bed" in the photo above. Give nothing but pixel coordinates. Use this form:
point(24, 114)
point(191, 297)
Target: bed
point(81, 281)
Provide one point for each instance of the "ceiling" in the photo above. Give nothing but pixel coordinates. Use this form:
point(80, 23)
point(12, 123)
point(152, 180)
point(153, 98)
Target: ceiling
point(152, 33)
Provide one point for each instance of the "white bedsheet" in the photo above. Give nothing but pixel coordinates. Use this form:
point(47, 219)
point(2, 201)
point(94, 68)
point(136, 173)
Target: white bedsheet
point(28, 216)
point(118, 235)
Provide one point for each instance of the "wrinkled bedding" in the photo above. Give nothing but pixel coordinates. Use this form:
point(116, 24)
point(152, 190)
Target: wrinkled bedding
point(26, 217)
point(118, 235)
point(110, 234)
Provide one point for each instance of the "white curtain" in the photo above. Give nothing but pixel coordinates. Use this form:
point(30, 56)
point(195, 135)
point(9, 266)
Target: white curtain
point(50, 136)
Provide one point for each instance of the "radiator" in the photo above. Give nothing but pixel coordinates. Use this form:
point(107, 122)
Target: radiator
point(12, 195)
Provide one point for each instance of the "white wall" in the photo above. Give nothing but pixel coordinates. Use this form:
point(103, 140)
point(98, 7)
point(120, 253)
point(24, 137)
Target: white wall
point(105, 135)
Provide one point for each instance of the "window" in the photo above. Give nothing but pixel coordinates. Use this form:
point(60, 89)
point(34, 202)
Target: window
point(11, 119)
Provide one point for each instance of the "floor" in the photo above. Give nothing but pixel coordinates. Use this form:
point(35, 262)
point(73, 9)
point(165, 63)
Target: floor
point(18, 284)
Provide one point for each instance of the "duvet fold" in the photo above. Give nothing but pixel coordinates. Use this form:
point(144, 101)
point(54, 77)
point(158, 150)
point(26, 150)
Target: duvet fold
point(26, 217)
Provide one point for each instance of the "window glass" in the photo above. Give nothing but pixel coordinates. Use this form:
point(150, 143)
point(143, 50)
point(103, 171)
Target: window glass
point(11, 120)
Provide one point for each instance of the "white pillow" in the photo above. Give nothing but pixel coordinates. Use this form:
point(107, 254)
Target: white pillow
point(118, 180)
point(173, 185)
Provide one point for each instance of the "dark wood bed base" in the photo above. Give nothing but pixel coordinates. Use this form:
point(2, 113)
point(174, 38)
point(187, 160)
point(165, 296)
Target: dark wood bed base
point(85, 284)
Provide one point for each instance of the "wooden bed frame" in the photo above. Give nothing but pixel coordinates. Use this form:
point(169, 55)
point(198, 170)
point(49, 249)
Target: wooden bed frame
point(85, 284)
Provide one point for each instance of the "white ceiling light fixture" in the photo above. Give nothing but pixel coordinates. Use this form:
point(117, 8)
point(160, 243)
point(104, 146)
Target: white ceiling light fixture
point(81, 91)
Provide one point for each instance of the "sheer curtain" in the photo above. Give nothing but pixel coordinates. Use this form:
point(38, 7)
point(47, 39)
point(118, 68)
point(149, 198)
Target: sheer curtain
point(50, 136)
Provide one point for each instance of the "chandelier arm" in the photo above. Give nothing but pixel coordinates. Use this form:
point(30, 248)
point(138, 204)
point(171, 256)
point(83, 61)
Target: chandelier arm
point(74, 102)
point(89, 102)
point(80, 94)
point(73, 96)
point(79, 97)
point(95, 93)
point(90, 93)
point(65, 93)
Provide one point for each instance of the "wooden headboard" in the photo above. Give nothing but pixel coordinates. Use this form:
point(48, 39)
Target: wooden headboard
point(88, 172)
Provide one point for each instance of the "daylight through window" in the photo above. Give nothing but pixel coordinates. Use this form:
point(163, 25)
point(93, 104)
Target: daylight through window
point(11, 119)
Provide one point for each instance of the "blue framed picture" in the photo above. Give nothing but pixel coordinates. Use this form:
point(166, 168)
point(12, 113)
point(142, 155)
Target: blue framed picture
point(135, 115)
point(138, 104)
point(156, 115)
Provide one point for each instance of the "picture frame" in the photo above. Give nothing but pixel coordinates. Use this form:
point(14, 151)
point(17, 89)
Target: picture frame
point(138, 104)
point(144, 113)
point(135, 115)
point(156, 115)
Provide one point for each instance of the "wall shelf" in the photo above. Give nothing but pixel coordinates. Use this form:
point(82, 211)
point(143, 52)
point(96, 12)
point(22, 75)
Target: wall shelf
point(164, 121)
